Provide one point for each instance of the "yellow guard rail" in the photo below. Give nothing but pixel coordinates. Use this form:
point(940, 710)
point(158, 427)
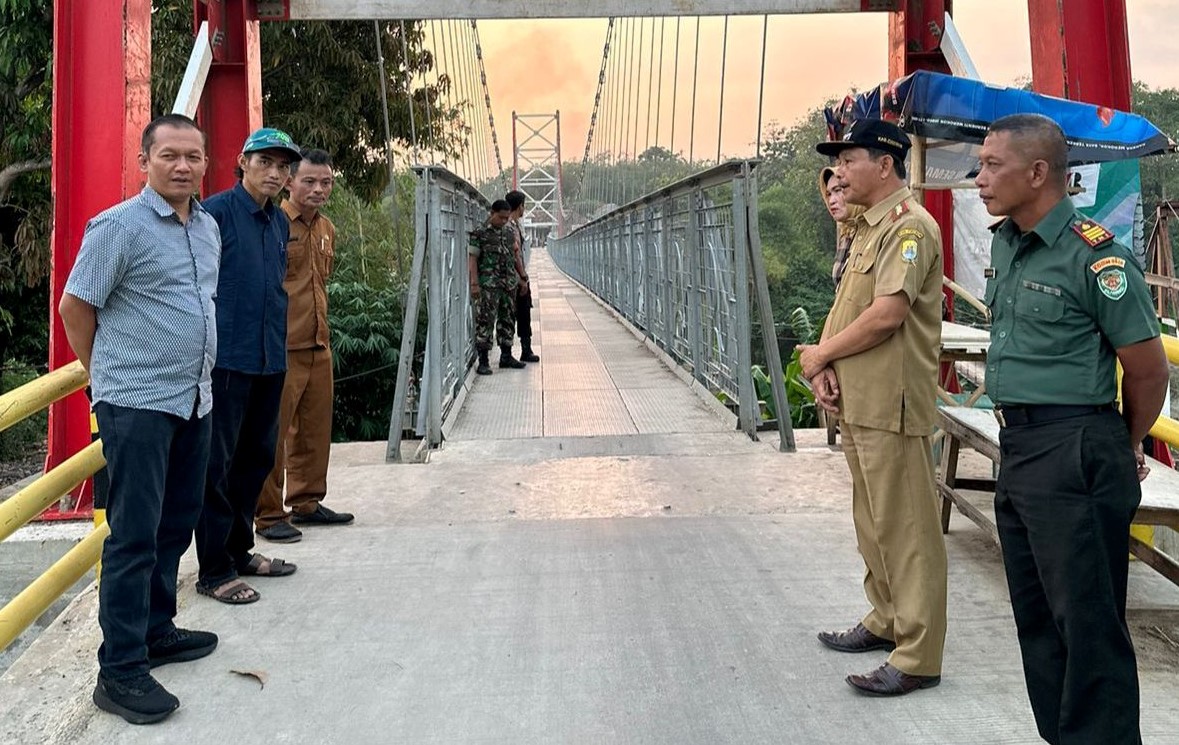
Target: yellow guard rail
point(26, 504)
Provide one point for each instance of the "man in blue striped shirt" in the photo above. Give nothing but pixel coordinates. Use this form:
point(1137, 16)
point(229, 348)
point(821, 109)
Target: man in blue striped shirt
point(138, 312)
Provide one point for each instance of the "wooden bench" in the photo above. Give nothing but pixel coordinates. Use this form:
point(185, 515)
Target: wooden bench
point(977, 429)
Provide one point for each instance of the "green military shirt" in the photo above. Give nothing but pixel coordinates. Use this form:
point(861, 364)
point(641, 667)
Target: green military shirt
point(1063, 297)
point(892, 386)
point(495, 256)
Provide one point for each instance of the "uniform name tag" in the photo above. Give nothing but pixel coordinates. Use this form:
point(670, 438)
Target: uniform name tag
point(1106, 263)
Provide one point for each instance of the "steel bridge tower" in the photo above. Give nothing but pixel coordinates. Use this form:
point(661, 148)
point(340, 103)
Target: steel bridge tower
point(536, 171)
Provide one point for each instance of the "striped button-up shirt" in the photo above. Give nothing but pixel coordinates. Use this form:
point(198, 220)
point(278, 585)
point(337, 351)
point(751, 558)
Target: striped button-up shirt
point(152, 279)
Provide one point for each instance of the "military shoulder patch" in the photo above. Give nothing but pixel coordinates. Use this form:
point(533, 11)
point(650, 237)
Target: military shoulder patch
point(910, 233)
point(1106, 263)
point(899, 211)
point(1112, 283)
point(1092, 233)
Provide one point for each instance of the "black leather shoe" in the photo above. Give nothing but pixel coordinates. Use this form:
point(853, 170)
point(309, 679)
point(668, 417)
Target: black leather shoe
point(180, 645)
point(855, 639)
point(139, 700)
point(886, 680)
point(282, 532)
point(322, 516)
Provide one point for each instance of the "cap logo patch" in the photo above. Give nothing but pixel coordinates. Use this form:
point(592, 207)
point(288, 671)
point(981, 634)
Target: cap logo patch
point(1112, 283)
point(1106, 263)
point(1092, 233)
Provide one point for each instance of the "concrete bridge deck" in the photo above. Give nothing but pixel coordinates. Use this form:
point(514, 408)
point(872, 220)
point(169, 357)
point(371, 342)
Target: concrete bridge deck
point(595, 556)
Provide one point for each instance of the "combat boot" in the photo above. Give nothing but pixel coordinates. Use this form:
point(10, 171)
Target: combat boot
point(526, 353)
point(484, 367)
point(507, 360)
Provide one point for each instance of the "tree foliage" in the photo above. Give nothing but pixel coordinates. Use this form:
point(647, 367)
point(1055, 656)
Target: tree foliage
point(321, 83)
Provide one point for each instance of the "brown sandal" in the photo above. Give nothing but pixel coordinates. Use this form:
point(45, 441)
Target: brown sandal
point(260, 566)
point(233, 592)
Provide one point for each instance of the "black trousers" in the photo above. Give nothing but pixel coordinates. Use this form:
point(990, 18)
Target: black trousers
point(156, 468)
point(1066, 493)
point(241, 455)
point(524, 315)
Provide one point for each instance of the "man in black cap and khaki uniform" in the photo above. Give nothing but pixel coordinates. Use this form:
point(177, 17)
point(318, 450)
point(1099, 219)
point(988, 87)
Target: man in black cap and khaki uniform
point(876, 365)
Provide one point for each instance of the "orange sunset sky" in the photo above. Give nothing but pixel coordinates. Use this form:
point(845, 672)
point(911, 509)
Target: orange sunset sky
point(538, 66)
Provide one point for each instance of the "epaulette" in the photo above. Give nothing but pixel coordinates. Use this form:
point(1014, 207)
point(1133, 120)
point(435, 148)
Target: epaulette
point(1092, 232)
point(899, 211)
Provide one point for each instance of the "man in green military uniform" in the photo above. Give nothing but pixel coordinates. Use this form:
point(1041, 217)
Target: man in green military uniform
point(491, 263)
point(876, 365)
point(1066, 302)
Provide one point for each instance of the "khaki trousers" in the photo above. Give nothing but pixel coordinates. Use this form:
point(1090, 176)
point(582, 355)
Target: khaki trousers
point(305, 438)
point(898, 529)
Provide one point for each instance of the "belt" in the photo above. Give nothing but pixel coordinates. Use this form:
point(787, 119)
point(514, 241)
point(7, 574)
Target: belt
point(1017, 415)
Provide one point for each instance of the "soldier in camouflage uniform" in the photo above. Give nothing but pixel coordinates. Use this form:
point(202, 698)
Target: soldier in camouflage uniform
point(491, 262)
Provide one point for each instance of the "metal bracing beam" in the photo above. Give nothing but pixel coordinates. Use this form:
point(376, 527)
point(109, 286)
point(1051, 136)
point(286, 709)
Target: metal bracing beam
point(536, 170)
point(231, 106)
point(481, 9)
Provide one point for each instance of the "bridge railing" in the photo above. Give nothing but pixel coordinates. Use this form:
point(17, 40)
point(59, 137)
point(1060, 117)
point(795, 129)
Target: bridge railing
point(32, 500)
point(683, 265)
point(446, 208)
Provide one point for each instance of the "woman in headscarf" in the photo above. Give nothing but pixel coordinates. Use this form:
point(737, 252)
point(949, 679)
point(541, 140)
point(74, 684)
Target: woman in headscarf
point(844, 215)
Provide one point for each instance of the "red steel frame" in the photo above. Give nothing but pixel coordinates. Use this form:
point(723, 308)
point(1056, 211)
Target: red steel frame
point(102, 101)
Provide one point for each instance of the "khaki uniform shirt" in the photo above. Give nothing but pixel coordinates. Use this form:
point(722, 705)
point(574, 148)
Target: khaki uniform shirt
point(892, 386)
point(1063, 298)
point(310, 253)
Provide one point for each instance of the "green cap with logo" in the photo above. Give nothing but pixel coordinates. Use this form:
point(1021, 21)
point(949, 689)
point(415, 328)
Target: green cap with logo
point(269, 138)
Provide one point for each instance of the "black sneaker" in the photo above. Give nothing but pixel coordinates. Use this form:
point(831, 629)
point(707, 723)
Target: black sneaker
point(282, 532)
point(139, 700)
point(322, 516)
point(180, 645)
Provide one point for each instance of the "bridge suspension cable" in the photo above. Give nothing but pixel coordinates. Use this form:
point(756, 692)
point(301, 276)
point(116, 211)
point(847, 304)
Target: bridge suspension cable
point(459, 131)
point(634, 145)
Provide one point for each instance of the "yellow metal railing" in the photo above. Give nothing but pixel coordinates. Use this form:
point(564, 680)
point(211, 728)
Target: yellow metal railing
point(1166, 428)
point(26, 504)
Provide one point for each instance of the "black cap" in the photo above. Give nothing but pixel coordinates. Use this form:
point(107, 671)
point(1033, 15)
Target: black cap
point(871, 133)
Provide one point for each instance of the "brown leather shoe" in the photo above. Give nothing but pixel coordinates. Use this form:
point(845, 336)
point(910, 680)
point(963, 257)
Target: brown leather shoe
point(886, 680)
point(855, 639)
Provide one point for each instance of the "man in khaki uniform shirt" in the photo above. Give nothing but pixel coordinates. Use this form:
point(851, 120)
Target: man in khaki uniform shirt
point(305, 416)
point(877, 366)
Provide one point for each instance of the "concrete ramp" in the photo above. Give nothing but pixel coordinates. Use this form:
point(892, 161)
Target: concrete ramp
point(568, 572)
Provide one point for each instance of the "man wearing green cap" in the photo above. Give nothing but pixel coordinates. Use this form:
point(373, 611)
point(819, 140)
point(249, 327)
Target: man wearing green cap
point(250, 368)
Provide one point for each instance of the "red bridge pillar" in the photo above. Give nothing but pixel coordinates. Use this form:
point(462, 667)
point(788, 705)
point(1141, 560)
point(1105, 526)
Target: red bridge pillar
point(231, 104)
point(914, 39)
point(1081, 51)
point(101, 103)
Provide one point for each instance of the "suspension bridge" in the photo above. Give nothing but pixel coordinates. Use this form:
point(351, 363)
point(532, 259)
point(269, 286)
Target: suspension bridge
point(615, 544)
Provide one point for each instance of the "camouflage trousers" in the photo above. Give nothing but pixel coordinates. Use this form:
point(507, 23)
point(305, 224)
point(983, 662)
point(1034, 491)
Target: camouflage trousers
point(496, 312)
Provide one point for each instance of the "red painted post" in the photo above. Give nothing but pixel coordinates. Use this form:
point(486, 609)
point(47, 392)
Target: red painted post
point(914, 38)
point(231, 104)
point(101, 103)
point(1081, 51)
